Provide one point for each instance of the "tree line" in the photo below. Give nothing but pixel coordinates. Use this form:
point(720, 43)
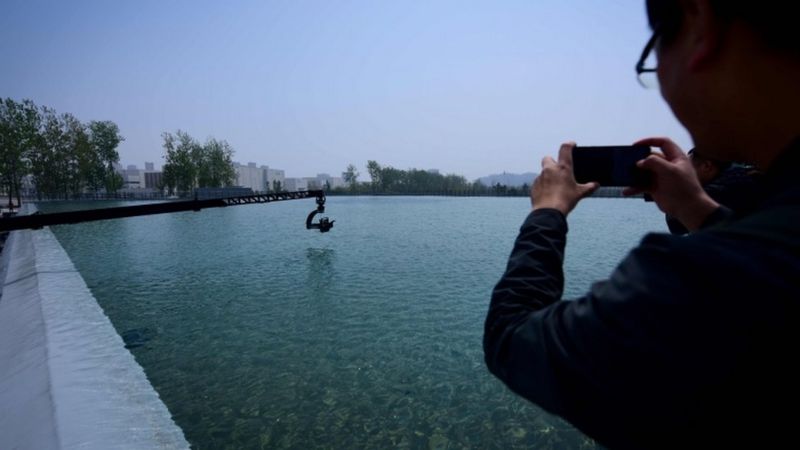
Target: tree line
point(389, 180)
point(190, 164)
point(62, 155)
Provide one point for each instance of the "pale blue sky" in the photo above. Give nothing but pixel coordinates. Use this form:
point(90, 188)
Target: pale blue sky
point(310, 86)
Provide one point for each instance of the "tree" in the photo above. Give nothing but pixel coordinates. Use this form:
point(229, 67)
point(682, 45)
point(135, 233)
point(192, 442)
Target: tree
point(19, 136)
point(189, 164)
point(391, 179)
point(350, 176)
point(374, 170)
point(478, 188)
point(77, 155)
point(114, 182)
point(276, 186)
point(104, 138)
point(215, 165)
point(180, 171)
point(49, 161)
point(62, 155)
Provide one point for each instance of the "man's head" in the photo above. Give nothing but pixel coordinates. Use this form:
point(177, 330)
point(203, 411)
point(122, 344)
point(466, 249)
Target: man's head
point(771, 20)
point(729, 70)
point(707, 168)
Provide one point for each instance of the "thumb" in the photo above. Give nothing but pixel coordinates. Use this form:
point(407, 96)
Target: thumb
point(587, 188)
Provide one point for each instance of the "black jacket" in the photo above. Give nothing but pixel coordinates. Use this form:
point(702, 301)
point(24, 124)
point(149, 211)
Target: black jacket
point(736, 188)
point(690, 344)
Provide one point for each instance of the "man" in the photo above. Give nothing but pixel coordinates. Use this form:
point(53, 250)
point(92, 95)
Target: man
point(691, 341)
point(731, 185)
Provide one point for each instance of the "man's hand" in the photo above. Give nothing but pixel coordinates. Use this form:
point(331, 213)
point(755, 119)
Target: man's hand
point(556, 187)
point(675, 186)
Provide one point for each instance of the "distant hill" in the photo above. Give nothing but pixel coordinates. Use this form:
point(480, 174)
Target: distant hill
point(508, 179)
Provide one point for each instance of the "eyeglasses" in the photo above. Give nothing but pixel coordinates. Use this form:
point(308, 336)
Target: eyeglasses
point(641, 67)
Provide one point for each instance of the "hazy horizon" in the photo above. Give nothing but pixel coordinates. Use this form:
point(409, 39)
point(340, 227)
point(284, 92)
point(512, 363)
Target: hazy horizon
point(309, 87)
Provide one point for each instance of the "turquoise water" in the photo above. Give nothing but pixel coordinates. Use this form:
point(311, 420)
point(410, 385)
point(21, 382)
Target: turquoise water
point(257, 333)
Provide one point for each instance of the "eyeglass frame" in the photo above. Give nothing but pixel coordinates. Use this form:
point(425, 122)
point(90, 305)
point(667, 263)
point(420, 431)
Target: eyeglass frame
point(648, 48)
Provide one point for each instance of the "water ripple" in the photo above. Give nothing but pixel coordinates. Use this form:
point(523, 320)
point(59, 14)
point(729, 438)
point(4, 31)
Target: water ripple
point(259, 334)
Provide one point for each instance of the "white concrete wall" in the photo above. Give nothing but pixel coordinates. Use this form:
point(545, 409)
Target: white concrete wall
point(66, 379)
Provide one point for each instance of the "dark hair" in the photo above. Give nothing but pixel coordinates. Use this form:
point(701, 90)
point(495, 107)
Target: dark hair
point(664, 17)
point(773, 20)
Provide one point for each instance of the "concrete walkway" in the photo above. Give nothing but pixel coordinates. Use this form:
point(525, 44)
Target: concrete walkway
point(66, 379)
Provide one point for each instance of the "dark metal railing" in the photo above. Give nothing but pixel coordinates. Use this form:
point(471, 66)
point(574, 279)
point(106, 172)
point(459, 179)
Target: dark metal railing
point(39, 220)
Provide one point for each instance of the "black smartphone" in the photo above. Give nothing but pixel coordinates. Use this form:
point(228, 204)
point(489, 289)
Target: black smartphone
point(610, 165)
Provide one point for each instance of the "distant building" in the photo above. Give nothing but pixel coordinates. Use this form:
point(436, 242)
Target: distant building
point(152, 180)
point(133, 178)
point(325, 181)
point(295, 184)
point(259, 179)
point(312, 183)
point(274, 178)
point(250, 176)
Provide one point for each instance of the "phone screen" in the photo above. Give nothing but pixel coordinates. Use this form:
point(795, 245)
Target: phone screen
point(610, 165)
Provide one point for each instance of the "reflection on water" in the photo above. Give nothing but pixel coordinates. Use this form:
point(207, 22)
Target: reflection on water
point(321, 271)
point(260, 334)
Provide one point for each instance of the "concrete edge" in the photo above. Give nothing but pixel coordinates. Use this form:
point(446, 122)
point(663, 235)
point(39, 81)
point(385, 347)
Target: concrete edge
point(66, 379)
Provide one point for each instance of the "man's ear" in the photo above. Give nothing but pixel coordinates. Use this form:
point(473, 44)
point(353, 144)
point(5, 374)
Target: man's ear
point(706, 170)
point(704, 32)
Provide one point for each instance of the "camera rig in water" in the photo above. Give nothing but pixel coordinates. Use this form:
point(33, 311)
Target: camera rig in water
point(39, 220)
point(324, 225)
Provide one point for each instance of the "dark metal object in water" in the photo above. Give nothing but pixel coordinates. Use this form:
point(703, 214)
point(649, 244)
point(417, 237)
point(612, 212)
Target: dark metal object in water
point(324, 225)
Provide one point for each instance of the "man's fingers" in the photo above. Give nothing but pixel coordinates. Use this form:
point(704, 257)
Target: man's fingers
point(654, 163)
point(565, 153)
point(669, 148)
point(547, 162)
point(651, 141)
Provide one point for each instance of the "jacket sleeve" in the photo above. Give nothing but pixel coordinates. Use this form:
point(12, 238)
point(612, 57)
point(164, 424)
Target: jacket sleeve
point(602, 359)
point(533, 281)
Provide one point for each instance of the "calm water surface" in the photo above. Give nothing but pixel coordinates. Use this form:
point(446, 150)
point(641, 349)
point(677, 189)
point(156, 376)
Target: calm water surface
point(257, 333)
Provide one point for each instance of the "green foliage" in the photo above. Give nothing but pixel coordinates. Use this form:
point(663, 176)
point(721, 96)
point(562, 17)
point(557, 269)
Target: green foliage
point(215, 165)
point(388, 180)
point(350, 177)
point(180, 171)
point(114, 182)
point(374, 169)
point(54, 164)
point(188, 164)
point(104, 138)
point(62, 155)
point(19, 135)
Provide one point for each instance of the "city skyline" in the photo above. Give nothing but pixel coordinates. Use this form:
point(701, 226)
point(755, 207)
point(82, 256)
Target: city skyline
point(363, 175)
